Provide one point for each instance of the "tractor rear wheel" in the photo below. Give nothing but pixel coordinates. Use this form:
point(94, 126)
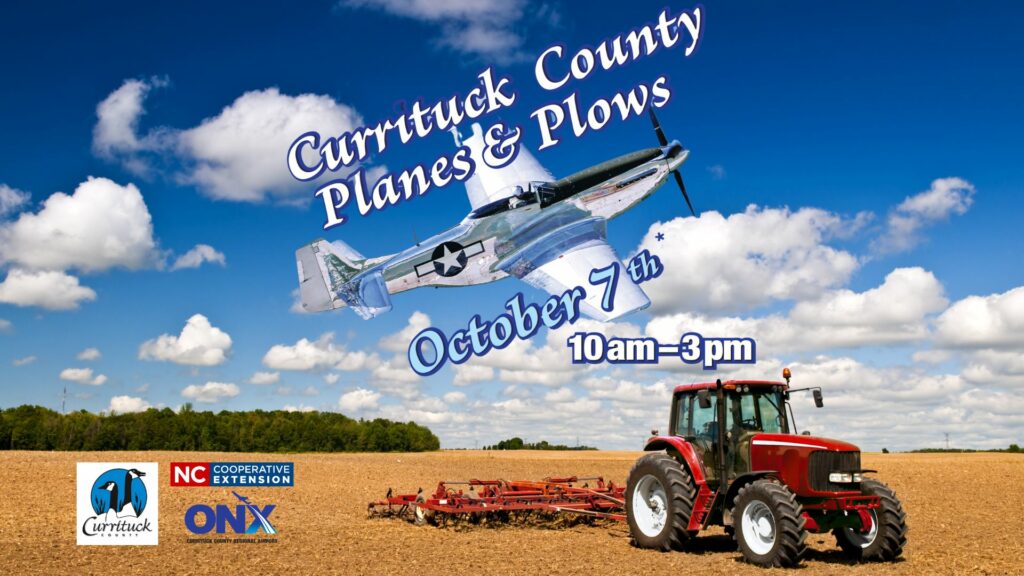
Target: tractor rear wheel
point(769, 524)
point(659, 501)
point(888, 533)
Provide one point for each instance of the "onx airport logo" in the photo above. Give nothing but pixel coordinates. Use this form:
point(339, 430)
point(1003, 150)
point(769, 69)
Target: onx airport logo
point(118, 503)
point(244, 518)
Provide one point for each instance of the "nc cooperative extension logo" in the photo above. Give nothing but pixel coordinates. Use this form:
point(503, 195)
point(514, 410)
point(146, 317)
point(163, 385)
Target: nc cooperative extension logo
point(262, 474)
point(118, 503)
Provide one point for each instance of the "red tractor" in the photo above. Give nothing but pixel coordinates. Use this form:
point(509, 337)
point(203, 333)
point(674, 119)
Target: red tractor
point(733, 458)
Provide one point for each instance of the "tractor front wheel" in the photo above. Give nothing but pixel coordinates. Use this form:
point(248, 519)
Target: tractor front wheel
point(659, 501)
point(885, 539)
point(769, 524)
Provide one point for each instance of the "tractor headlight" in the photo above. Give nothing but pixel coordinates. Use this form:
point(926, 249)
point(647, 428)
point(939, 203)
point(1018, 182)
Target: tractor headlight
point(845, 477)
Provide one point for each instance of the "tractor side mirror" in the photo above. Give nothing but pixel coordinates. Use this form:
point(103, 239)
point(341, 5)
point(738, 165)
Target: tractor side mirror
point(703, 399)
point(817, 398)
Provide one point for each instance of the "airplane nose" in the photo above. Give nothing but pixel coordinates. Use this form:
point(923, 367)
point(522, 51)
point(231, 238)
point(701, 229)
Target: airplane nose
point(676, 160)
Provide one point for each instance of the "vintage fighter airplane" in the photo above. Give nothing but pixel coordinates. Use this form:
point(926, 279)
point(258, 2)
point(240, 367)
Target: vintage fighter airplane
point(524, 223)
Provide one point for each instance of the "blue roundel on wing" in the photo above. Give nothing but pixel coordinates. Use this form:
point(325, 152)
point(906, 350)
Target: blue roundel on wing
point(119, 490)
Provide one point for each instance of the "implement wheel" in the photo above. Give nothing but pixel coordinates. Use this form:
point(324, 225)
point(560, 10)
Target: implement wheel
point(888, 533)
point(659, 501)
point(420, 515)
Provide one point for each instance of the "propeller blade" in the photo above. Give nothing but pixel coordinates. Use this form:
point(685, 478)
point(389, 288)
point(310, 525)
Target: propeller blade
point(682, 188)
point(657, 127)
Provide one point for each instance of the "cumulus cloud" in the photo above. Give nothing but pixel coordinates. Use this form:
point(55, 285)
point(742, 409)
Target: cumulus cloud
point(211, 392)
point(126, 404)
point(89, 354)
point(11, 200)
point(236, 155)
point(299, 408)
point(319, 354)
point(199, 344)
point(263, 378)
point(894, 312)
point(116, 132)
point(199, 254)
point(746, 259)
point(101, 225)
point(240, 153)
point(46, 289)
point(358, 400)
point(993, 321)
point(82, 376)
point(945, 198)
point(487, 28)
point(6, 326)
point(24, 361)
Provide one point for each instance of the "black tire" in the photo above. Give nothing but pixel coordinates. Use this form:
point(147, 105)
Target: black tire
point(679, 491)
point(785, 545)
point(888, 540)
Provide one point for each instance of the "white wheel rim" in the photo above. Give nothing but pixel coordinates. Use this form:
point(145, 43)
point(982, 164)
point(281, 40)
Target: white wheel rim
point(863, 539)
point(650, 506)
point(758, 525)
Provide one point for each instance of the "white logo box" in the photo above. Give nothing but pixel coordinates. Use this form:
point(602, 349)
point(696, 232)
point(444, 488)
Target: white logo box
point(117, 513)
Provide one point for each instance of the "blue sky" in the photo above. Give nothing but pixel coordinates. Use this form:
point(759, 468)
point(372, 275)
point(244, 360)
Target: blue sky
point(847, 108)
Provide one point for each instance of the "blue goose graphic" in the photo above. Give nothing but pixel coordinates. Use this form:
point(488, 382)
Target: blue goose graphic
point(120, 493)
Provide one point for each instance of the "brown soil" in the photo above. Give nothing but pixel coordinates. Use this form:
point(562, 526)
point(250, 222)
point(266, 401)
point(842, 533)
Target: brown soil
point(964, 511)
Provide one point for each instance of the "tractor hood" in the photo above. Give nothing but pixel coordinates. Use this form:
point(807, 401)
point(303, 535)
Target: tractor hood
point(782, 442)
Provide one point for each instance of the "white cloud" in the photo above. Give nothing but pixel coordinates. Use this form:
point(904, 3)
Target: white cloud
point(199, 344)
point(89, 354)
point(12, 200)
point(101, 226)
point(82, 376)
point(199, 254)
point(454, 398)
point(115, 134)
point(894, 312)
point(46, 289)
point(945, 198)
point(489, 28)
point(24, 361)
point(6, 326)
point(331, 378)
point(993, 321)
point(717, 172)
point(471, 373)
point(321, 354)
point(299, 408)
point(263, 378)
point(126, 404)
point(746, 260)
point(210, 392)
point(358, 400)
point(240, 153)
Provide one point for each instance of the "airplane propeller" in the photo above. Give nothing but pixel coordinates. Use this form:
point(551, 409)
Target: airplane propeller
point(664, 142)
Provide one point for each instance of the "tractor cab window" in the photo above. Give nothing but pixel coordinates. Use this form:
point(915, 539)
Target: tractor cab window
point(758, 412)
point(703, 424)
point(770, 408)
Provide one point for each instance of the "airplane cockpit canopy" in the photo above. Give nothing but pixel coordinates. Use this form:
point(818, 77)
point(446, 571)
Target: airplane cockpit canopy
point(518, 199)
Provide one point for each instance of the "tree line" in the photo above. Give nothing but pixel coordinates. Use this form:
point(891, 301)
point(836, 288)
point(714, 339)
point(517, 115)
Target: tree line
point(517, 443)
point(39, 428)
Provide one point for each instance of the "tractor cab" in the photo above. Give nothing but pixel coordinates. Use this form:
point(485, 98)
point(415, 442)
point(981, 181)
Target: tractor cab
point(721, 423)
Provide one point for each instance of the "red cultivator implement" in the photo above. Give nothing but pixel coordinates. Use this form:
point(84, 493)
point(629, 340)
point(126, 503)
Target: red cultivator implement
point(505, 500)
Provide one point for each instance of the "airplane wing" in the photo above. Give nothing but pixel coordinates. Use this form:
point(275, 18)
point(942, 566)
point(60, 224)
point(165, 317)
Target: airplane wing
point(488, 184)
point(564, 259)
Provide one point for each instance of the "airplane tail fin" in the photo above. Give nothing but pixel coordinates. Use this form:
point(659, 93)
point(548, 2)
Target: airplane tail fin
point(333, 275)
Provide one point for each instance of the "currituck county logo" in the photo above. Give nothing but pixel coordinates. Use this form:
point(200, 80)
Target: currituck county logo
point(117, 503)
